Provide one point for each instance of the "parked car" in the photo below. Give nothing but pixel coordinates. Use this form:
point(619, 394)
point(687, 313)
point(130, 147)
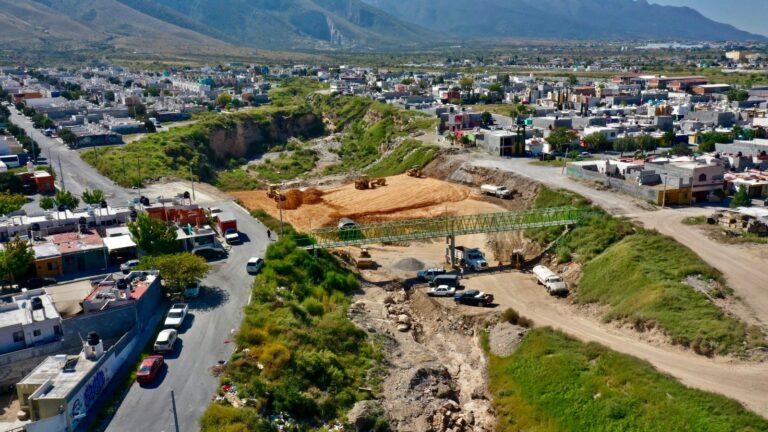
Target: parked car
point(232, 236)
point(474, 298)
point(585, 155)
point(166, 340)
point(192, 291)
point(38, 282)
point(429, 274)
point(255, 264)
point(442, 291)
point(150, 368)
point(176, 315)
point(127, 266)
point(211, 253)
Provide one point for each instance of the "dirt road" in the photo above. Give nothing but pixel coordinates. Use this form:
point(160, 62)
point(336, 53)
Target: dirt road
point(746, 383)
point(745, 269)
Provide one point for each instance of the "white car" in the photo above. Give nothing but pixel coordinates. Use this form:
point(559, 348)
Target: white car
point(176, 315)
point(166, 340)
point(127, 266)
point(254, 265)
point(442, 291)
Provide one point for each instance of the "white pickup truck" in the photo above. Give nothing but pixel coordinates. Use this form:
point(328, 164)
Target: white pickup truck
point(551, 281)
point(497, 191)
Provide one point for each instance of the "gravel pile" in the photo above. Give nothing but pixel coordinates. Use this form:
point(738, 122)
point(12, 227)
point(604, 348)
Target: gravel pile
point(504, 338)
point(409, 264)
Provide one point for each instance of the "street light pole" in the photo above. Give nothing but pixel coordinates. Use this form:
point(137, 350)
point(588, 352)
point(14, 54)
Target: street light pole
point(192, 179)
point(175, 417)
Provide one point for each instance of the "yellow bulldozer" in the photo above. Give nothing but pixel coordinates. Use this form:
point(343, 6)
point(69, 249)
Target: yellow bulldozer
point(274, 193)
point(363, 182)
point(414, 171)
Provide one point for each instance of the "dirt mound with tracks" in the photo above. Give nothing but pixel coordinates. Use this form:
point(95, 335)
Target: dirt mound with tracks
point(403, 197)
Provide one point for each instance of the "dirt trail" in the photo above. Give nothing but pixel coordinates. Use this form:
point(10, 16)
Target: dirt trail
point(744, 382)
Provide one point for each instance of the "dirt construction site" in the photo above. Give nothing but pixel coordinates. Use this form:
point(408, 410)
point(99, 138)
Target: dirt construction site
point(435, 366)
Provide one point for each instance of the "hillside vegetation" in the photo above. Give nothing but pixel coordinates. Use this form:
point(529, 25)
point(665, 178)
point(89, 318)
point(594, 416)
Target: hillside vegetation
point(555, 383)
point(213, 149)
point(298, 353)
point(640, 276)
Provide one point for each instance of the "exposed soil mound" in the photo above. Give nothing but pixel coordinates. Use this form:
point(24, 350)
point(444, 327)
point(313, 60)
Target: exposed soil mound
point(403, 198)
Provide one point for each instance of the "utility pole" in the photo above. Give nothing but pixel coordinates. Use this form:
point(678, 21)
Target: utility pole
point(61, 174)
point(175, 417)
point(664, 197)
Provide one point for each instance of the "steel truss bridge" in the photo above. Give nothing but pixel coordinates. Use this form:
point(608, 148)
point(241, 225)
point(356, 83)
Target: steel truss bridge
point(446, 226)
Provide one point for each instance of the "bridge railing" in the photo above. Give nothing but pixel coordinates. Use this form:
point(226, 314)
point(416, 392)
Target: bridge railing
point(445, 226)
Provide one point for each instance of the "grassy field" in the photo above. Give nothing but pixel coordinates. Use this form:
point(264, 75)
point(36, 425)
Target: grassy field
point(299, 353)
point(588, 239)
point(639, 275)
point(641, 279)
point(408, 154)
point(555, 383)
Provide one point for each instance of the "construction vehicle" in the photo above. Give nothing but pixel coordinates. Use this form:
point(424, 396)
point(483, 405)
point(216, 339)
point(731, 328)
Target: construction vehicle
point(551, 281)
point(363, 182)
point(272, 191)
point(414, 171)
point(364, 261)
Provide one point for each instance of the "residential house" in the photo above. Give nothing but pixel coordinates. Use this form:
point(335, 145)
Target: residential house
point(28, 319)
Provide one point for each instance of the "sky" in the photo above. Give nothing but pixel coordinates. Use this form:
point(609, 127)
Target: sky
point(749, 15)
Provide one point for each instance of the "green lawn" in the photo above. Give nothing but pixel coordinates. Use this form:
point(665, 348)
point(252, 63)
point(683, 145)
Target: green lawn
point(555, 383)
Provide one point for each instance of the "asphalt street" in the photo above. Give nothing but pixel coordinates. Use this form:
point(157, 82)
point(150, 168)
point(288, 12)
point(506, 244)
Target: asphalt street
point(72, 173)
point(206, 337)
point(205, 340)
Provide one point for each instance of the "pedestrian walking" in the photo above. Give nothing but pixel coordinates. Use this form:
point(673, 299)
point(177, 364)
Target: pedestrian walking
point(269, 234)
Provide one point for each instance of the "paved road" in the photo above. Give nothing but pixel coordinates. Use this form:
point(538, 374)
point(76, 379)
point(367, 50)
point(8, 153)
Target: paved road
point(743, 267)
point(205, 340)
point(77, 175)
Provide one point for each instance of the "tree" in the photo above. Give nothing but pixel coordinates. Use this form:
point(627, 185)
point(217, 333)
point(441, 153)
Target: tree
point(223, 99)
point(66, 199)
point(47, 203)
point(466, 83)
point(16, 259)
point(178, 270)
point(709, 139)
point(669, 138)
point(153, 236)
point(152, 91)
point(741, 198)
point(68, 136)
point(572, 80)
point(93, 197)
point(561, 138)
point(625, 144)
point(109, 96)
point(495, 87)
point(681, 150)
point(596, 141)
point(10, 203)
point(738, 95)
point(646, 143)
point(150, 127)
point(406, 81)
point(486, 118)
point(11, 183)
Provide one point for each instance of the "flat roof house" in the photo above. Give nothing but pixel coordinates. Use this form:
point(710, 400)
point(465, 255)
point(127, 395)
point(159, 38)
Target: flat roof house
point(28, 319)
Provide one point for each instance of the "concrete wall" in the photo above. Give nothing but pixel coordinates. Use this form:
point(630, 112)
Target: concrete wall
point(642, 192)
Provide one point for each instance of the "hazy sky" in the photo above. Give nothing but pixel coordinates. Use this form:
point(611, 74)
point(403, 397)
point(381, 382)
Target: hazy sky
point(749, 15)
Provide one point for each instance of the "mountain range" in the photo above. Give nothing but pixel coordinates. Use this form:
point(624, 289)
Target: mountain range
point(226, 27)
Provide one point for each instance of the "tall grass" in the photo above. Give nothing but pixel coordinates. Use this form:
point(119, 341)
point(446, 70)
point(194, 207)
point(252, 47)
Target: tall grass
point(555, 383)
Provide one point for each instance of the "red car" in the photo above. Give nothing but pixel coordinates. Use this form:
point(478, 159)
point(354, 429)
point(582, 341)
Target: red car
point(149, 369)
